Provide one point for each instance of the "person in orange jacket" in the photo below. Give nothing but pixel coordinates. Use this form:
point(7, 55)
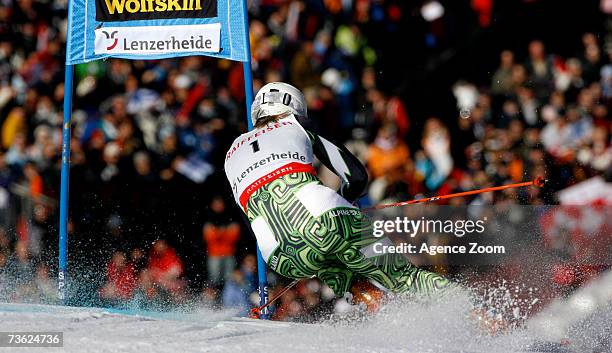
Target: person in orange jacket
point(388, 153)
point(221, 235)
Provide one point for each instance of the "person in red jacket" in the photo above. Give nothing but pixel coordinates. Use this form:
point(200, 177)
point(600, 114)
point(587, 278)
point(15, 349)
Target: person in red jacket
point(120, 279)
point(165, 269)
point(221, 235)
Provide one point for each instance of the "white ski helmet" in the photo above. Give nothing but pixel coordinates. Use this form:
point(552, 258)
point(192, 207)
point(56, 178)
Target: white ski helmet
point(277, 98)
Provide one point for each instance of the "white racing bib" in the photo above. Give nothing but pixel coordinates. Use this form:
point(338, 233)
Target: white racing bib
point(265, 154)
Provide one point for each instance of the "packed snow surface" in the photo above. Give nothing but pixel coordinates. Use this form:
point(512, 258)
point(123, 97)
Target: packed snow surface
point(401, 327)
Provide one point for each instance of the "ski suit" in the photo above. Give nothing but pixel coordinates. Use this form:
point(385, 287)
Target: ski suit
point(304, 228)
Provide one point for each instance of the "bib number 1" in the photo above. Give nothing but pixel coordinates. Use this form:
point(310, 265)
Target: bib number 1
point(255, 146)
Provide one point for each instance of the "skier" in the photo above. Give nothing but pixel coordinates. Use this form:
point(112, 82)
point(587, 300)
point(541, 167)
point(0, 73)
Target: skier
point(304, 228)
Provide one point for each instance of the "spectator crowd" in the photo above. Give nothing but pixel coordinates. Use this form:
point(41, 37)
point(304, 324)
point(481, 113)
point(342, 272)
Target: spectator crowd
point(151, 219)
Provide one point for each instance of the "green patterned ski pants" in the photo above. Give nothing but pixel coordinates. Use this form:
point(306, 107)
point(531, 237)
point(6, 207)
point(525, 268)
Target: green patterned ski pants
point(328, 246)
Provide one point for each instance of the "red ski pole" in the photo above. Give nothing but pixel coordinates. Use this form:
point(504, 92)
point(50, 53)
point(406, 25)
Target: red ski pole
point(538, 181)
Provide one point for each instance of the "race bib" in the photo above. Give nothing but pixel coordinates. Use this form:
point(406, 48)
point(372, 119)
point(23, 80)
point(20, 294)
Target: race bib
point(265, 154)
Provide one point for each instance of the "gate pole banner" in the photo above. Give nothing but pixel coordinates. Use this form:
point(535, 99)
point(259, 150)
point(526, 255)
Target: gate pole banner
point(129, 40)
point(155, 29)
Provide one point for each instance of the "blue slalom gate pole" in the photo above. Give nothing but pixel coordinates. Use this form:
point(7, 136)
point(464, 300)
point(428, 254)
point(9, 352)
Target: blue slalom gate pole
point(62, 275)
point(248, 91)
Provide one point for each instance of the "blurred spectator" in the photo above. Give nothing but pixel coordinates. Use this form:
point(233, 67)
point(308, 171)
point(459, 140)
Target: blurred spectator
point(235, 293)
point(221, 235)
point(16, 154)
point(529, 105)
point(165, 269)
point(14, 126)
point(4, 276)
point(434, 163)
point(21, 270)
point(303, 69)
point(501, 82)
point(387, 154)
point(45, 286)
point(120, 279)
point(249, 272)
point(4, 257)
point(540, 70)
